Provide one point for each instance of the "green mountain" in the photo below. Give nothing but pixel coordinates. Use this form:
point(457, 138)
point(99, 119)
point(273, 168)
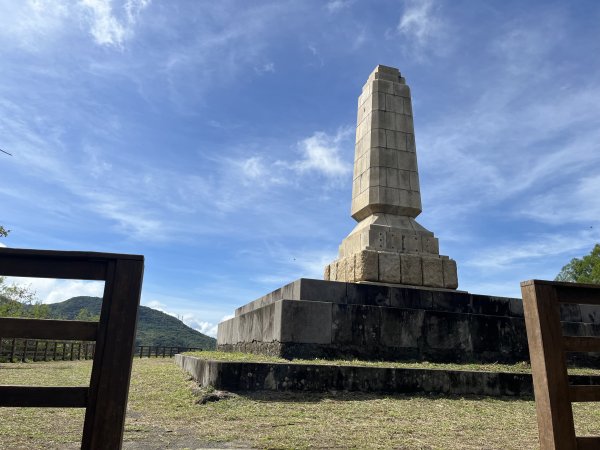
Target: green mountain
point(153, 328)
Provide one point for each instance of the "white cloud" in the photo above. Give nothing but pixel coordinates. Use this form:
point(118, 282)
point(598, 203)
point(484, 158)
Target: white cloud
point(334, 6)
point(424, 30)
point(50, 290)
point(208, 328)
point(105, 27)
point(267, 67)
point(322, 153)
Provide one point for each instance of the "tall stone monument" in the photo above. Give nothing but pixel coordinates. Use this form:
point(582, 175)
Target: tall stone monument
point(390, 295)
point(388, 245)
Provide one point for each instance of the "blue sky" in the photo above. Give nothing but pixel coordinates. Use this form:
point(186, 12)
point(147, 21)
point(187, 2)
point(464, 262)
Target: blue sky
point(216, 138)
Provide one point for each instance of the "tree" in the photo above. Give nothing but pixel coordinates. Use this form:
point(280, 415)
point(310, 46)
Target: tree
point(584, 270)
point(19, 301)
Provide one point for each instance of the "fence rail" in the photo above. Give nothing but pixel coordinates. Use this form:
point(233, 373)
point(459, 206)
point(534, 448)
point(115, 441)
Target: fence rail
point(22, 350)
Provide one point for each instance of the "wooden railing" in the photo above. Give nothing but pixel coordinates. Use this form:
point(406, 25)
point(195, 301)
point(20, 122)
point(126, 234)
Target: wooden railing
point(15, 350)
point(105, 399)
point(547, 348)
point(23, 350)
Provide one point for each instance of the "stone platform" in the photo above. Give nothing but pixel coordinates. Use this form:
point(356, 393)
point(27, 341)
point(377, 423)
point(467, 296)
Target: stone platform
point(316, 318)
point(244, 376)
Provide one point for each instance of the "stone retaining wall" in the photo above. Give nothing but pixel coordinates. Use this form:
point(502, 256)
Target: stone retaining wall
point(238, 376)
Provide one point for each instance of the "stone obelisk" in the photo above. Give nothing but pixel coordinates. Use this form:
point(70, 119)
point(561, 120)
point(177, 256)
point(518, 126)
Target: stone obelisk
point(388, 245)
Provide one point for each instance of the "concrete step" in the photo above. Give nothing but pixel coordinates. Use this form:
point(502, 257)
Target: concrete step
point(253, 376)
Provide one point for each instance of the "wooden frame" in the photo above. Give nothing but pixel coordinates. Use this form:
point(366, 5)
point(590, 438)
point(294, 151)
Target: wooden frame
point(547, 348)
point(105, 399)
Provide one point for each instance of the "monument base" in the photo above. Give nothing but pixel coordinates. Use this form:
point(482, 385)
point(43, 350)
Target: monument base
point(326, 319)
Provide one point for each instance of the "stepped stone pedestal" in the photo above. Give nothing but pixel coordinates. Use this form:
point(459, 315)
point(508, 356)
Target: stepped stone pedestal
point(390, 295)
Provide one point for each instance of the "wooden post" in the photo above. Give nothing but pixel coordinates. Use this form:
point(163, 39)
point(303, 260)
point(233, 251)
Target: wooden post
point(46, 351)
point(54, 352)
point(35, 352)
point(163, 352)
point(24, 354)
point(109, 384)
point(13, 348)
point(78, 350)
point(141, 350)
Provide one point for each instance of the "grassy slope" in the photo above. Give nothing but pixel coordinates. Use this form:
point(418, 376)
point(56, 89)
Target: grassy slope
point(162, 414)
point(154, 327)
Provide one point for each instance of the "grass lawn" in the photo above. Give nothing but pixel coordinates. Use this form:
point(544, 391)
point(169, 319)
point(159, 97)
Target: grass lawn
point(163, 413)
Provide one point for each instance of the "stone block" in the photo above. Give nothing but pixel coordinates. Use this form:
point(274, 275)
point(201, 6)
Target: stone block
point(389, 268)
point(376, 176)
point(447, 331)
point(320, 291)
point(412, 243)
point(410, 298)
point(401, 141)
point(407, 106)
point(306, 322)
point(401, 327)
point(384, 86)
point(407, 161)
point(366, 264)
point(411, 270)
point(516, 307)
point(404, 179)
point(430, 245)
point(375, 138)
point(450, 274)
point(401, 90)
point(414, 181)
point(333, 271)
point(403, 123)
point(391, 178)
point(394, 103)
point(378, 101)
point(390, 139)
point(341, 269)
point(432, 272)
point(485, 304)
point(367, 294)
point(356, 324)
point(326, 272)
point(411, 145)
point(350, 270)
point(455, 302)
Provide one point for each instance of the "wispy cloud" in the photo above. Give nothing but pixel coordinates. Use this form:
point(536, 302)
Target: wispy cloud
point(534, 247)
point(334, 6)
point(321, 153)
point(425, 31)
point(105, 27)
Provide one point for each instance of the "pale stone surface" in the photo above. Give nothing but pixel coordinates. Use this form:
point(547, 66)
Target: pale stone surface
point(389, 268)
point(432, 272)
point(333, 271)
point(327, 272)
point(350, 276)
point(388, 245)
point(450, 274)
point(366, 266)
point(411, 268)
